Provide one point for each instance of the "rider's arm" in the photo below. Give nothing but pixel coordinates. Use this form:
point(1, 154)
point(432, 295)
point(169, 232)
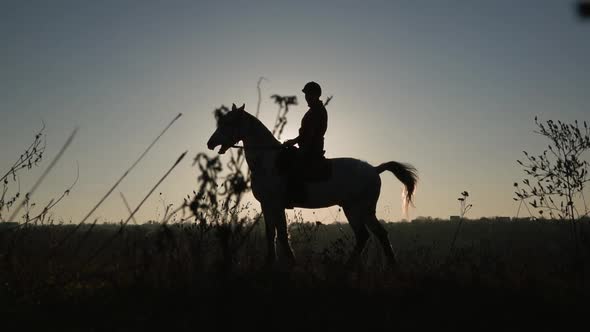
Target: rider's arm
point(291, 142)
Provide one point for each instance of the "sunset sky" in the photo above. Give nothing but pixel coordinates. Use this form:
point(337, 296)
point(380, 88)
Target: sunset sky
point(451, 87)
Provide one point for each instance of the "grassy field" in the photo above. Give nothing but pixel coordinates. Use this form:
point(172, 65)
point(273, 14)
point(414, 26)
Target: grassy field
point(186, 277)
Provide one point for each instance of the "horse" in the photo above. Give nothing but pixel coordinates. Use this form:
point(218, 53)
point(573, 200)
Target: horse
point(354, 185)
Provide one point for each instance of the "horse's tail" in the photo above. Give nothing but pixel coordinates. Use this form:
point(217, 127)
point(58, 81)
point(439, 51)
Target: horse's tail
point(407, 174)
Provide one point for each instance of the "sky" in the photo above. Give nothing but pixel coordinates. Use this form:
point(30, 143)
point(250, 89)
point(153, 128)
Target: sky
point(451, 87)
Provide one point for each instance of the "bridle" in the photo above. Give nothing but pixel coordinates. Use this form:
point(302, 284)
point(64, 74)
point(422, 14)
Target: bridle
point(256, 147)
point(259, 147)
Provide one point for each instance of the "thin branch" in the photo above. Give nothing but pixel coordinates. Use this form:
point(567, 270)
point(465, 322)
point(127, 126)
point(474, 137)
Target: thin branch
point(42, 177)
point(30, 152)
point(53, 203)
point(259, 94)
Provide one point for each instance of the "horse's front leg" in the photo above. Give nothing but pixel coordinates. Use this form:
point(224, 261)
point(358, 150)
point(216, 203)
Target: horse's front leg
point(276, 216)
point(270, 237)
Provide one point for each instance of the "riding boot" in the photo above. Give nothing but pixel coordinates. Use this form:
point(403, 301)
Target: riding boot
point(295, 190)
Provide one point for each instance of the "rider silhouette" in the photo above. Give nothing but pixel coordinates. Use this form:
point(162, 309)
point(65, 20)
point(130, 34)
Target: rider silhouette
point(313, 126)
point(311, 145)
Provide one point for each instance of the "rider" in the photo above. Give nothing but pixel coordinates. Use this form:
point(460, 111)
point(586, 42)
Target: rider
point(313, 125)
point(310, 141)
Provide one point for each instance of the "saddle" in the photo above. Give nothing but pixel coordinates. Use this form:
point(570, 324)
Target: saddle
point(291, 162)
point(299, 170)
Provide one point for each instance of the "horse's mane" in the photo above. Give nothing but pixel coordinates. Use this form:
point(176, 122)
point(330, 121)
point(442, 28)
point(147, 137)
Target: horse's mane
point(260, 129)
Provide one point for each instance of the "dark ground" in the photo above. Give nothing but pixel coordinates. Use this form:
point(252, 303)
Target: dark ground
point(502, 275)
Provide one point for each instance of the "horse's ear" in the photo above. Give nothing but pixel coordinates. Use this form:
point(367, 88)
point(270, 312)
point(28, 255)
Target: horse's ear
point(243, 107)
point(233, 107)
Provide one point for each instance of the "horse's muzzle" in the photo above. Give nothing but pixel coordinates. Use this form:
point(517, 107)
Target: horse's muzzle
point(211, 144)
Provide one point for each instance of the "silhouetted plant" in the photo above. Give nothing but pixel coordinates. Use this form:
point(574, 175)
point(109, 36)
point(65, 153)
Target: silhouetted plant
point(284, 102)
point(463, 209)
point(557, 177)
point(29, 159)
point(32, 157)
point(205, 199)
point(40, 217)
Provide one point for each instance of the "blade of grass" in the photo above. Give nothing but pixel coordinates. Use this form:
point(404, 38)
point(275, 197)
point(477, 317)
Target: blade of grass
point(127, 206)
point(129, 170)
point(67, 236)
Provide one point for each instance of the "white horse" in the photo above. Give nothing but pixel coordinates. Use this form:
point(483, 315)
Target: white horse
point(354, 184)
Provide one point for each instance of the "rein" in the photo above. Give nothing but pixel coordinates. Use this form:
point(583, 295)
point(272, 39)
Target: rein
point(260, 147)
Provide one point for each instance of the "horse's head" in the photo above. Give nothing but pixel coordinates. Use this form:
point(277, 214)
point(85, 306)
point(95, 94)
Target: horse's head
point(229, 129)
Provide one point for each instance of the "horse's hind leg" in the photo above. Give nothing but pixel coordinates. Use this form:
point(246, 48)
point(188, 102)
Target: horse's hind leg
point(355, 219)
point(381, 233)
